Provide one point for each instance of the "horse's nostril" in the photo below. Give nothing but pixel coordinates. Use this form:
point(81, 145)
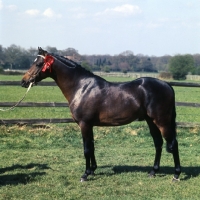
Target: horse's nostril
point(24, 83)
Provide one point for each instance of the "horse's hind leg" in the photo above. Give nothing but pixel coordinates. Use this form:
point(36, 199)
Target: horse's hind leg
point(158, 143)
point(172, 147)
point(168, 131)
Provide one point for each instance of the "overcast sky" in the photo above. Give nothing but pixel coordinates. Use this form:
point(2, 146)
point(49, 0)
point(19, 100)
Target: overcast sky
point(149, 27)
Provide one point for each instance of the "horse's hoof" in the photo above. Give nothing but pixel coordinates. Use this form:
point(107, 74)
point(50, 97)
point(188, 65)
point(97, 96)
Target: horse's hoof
point(175, 179)
point(92, 173)
point(152, 174)
point(84, 178)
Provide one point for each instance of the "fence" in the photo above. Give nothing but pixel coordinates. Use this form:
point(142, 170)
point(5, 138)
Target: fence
point(193, 77)
point(69, 120)
point(143, 74)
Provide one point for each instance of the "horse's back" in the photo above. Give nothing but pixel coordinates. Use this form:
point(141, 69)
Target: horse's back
point(151, 84)
point(150, 91)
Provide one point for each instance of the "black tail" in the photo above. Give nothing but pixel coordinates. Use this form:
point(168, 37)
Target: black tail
point(173, 117)
point(173, 145)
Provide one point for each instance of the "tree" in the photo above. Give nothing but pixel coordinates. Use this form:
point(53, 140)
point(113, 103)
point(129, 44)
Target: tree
point(180, 65)
point(124, 66)
point(197, 64)
point(161, 63)
point(1, 53)
point(144, 65)
point(16, 57)
point(86, 65)
point(52, 49)
point(127, 53)
point(22, 62)
point(1, 70)
point(106, 69)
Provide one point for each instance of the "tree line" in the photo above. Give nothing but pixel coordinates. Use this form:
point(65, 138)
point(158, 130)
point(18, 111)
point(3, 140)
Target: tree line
point(16, 57)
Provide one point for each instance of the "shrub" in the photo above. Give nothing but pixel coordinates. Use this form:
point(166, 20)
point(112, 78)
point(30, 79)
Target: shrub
point(165, 75)
point(180, 65)
point(1, 70)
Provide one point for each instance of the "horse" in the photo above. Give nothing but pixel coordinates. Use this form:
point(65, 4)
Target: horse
point(93, 101)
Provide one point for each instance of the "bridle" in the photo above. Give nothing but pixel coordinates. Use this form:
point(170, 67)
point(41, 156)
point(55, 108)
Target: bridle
point(32, 76)
point(42, 66)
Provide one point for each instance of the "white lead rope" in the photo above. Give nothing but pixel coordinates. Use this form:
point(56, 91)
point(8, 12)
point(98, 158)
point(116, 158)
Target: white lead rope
point(12, 108)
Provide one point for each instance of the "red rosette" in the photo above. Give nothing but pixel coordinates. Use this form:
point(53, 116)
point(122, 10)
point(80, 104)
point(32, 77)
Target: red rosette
point(48, 61)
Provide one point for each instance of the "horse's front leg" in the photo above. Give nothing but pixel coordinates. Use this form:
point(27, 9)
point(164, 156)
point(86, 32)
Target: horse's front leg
point(156, 165)
point(88, 144)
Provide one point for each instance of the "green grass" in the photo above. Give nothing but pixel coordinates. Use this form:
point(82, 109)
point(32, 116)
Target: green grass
point(187, 94)
point(10, 78)
point(36, 94)
point(48, 163)
point(15, 78)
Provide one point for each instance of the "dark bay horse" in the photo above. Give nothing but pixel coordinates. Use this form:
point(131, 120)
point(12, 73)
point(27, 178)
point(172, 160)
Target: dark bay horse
point(95, 102)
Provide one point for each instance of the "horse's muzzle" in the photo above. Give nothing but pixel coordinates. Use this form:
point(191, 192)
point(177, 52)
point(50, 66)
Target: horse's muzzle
point(25, 83)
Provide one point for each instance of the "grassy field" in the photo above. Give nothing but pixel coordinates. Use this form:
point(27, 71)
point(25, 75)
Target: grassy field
point(46, 163)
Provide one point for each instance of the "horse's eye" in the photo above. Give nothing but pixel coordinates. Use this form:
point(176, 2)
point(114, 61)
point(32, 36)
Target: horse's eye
point(39, 64)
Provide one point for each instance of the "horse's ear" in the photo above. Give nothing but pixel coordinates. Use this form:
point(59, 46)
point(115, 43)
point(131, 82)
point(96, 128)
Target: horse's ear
point(41, 51)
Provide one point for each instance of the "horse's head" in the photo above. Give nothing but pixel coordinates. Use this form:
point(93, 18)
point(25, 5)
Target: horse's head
point(40, 68)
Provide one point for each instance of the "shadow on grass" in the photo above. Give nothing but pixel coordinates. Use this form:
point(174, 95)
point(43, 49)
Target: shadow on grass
point(21, 178)
point(187, 172)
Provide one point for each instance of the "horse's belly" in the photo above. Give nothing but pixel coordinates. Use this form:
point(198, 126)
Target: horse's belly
point(118, 118)
point(115, 122)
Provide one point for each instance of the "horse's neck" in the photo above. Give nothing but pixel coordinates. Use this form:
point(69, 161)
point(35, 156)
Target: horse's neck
point(66, 79)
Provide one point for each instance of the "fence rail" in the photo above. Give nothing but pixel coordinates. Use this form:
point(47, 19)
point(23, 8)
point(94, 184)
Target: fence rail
point(35, 121)
point(33, 104)
point(17, 83)
point(60, 104)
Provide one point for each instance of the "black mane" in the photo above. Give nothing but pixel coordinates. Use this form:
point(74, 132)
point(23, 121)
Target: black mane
point(70, 63)
point(65, 60)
